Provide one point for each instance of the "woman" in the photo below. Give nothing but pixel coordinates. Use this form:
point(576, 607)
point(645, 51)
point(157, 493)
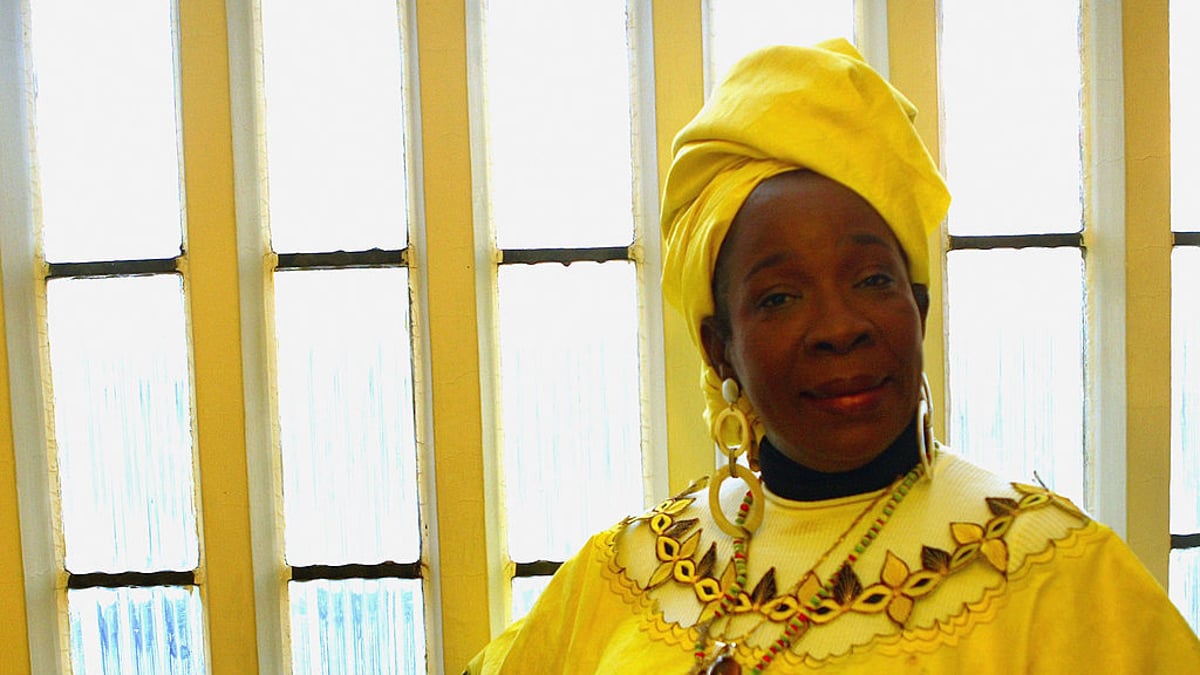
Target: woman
point(796, 215)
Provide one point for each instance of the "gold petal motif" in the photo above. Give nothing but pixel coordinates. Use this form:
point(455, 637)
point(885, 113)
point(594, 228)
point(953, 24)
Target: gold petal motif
point(900, 608)
point(690, 545)
point(781, 609)
point(963, 555)
point(827, 611)
point(659, 523)
point(895, 570)
point(997, 527)
point(920, 583)
point(966, 533)
point(873, 599)
point(661, 574)
point(684, 571)
point(996, 552)
point(808, 588)
point(667, 549)
point(707, 589)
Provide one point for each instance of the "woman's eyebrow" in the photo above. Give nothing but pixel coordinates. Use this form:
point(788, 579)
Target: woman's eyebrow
point(868, 239)
point(769, 261)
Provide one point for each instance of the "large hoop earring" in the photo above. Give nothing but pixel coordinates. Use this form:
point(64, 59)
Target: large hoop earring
point(926, 443)
point(746, 444)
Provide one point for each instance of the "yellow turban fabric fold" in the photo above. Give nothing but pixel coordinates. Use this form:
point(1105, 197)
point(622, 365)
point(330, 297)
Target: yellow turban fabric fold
point(780, 109)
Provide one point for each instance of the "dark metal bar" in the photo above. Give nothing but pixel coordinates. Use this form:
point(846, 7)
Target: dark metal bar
point(566, 256)
point(137, 579)
point(537, 568)
point(386, 570)
point(372, 258)
point(1187, 238)
point(113, 268)
point(1185, 540)
point(979, 242)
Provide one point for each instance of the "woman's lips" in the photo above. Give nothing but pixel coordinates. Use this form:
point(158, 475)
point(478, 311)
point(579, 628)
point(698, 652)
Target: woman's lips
point(848, 396)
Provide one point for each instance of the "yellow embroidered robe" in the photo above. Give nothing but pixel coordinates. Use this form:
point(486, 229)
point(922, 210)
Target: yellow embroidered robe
point(969, 574)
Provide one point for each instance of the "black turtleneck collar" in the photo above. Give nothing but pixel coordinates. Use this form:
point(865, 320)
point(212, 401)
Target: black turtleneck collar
point(792, 480)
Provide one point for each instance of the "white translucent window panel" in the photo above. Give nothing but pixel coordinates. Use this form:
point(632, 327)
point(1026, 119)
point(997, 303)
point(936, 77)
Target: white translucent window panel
point(558, 123)
point(525, 592)
point(737, 27)
point(122, 423)
point(570, 403)
point(1185, 106)
point(357, 627)
point(158, 629)
point(1011, 91)
point(1185, 390)
point(106, 129)
point(1016, 363)
point(1185, 584)
point(335, 124)
point(346, 416)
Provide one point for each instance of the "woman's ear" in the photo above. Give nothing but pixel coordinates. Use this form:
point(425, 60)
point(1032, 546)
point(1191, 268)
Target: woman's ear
point(714, 339)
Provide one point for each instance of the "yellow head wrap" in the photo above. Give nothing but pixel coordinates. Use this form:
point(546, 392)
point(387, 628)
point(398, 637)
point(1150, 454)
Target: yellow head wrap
point(781, 109)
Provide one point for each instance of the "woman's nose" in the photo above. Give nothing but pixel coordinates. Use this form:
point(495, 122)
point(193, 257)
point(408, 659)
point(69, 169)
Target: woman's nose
point(838, 327)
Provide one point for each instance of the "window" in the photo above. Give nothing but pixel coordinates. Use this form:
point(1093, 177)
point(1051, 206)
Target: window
point(115, 351)
point(342, 502)
point(1184, 583)
point(567, 203)
point(1015, 269)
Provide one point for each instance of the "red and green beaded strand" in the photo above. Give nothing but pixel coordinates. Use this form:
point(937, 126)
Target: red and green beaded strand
point(798, 623)
point(740, 546)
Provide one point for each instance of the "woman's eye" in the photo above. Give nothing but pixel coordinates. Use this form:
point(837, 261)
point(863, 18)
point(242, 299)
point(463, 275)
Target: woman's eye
point(774, 300)
point(877, 281)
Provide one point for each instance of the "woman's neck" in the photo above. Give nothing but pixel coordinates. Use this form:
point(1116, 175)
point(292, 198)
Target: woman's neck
point(792, 480)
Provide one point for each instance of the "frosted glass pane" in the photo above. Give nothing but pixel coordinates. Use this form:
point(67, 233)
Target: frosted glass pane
point(357, 627)
point(143, 631)
point(122, 422)
point(346, 416)
point(525, 592)
point(1016, 363)
point(1185, 584)
point(107, 130)
point(1185, 390)
point(559, 137)
point(1185, 106)
point(333, 79)
point(570, 403)
point(737, 27)
point(1012, 116)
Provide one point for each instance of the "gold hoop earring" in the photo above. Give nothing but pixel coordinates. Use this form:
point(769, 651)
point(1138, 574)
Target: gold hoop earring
point(733, 415)
point(926, 443)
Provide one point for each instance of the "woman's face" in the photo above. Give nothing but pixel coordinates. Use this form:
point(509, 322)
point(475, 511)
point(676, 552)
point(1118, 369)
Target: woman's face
point(823, 332)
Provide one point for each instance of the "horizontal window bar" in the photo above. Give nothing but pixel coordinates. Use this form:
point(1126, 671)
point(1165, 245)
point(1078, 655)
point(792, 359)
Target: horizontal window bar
point(113, 268)
point(1185, 540)
point(958, 242)
point(1187, 238)
point(335, 259)
point(537, 568)
point(136, 579)
point(566, 256)
point(386, 570)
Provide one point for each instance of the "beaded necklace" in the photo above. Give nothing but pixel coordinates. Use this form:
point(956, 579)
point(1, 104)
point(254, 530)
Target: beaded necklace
point(809, 586)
